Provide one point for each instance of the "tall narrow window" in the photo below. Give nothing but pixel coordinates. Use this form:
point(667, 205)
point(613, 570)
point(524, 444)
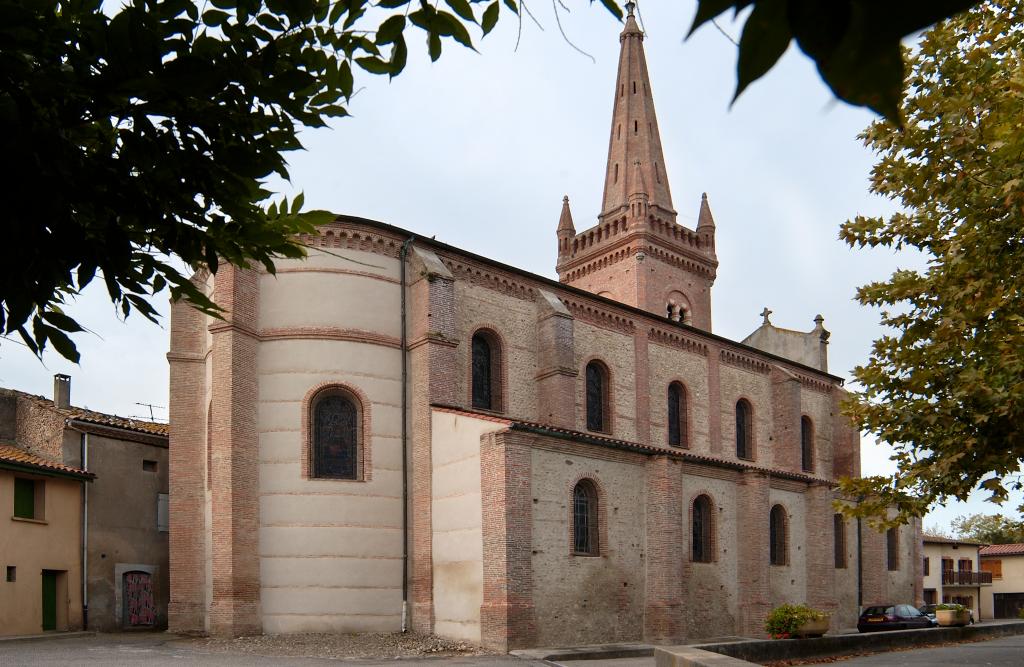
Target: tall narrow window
point(702, 541)
point(744, 450)
point(597, 396)
point(892, 549)
point(335, 431)
point(806, 444)
point(677, 415)
point(585, 519)
point(927, 566)
point(486, 371)
point(839, 537)
point(777, 536)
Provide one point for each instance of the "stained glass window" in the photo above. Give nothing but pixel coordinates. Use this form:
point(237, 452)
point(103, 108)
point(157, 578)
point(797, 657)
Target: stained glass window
point(335, 437)
point(839, 532)
point(743, 425)
point(677, 415)
point(482, 395)
point(584, 518)
point(596, 397)
point(806, 444)
point(703, 548)
point(777, 537)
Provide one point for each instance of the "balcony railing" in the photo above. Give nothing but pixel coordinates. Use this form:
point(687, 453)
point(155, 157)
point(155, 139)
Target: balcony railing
point(965, 578)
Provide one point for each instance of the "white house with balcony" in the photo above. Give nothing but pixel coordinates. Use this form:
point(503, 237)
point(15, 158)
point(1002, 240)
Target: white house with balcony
point(952, 573)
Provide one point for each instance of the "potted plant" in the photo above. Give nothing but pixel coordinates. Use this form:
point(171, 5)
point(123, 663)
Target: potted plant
point(948, 614)
point(796, 620)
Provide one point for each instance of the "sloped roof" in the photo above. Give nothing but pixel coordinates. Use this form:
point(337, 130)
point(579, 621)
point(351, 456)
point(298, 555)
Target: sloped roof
point(19, 458)
point(1002, 550)
point(98, 418)
point(939, 539)
point(614, 443)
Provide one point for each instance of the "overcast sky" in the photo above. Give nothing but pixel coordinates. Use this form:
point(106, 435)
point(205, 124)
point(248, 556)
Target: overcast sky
point(479, 148)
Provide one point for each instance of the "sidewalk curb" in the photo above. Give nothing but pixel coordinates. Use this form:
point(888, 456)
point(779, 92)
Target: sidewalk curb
point(49, 635)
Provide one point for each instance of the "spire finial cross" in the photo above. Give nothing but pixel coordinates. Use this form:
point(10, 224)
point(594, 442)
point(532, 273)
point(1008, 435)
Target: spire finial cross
point(630, 6)
point(765, 313)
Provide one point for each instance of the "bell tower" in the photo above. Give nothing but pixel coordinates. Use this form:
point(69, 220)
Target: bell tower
point(637, 253)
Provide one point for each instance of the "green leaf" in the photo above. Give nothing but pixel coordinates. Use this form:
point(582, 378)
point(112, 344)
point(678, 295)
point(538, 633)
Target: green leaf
point(462, 8)
point(61, 321)
point(709, 9)
point(765, 38)
point(490, 17)
point(434, 45)
point(390, 30)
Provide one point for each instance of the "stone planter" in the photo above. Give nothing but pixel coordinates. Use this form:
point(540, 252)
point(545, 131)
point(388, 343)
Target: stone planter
point(951, 617)
point(814, 628)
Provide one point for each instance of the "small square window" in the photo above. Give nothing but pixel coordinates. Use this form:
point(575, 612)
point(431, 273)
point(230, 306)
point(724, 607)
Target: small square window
point(28, 498)
point(12, 573)
point(149, 466)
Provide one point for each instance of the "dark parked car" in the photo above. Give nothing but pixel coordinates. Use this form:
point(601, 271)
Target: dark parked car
point(892, 617)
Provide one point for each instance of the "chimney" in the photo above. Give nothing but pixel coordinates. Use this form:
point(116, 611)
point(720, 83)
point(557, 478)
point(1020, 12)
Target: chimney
point(62, 390)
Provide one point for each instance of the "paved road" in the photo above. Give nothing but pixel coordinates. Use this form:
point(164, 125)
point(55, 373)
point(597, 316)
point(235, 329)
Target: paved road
point(1002, 652)
point(158, 650)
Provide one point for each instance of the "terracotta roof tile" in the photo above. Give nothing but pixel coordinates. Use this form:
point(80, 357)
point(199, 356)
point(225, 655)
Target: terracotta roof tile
point(154, 428)
point(940, 539)
point(519, 424)
point(9, 454)
point(101, 418)
point(1002, 550)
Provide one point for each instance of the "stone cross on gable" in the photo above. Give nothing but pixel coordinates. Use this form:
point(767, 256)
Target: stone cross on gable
point(765, 313)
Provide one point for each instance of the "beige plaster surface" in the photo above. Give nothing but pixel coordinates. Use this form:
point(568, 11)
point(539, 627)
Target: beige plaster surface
point(713, 586)
point(789, 582)
point(51, 544)
point(738, 383)
point(457, 523)
point(1012, 581)
point(585, 599)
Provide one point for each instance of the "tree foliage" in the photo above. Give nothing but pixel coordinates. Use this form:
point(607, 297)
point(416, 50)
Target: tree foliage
point(989, 528)
point(149, 134)
point(945, 385)
point(145, 137)
point(854, 43)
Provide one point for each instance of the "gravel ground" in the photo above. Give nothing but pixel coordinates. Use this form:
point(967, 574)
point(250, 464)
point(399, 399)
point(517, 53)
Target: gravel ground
point(364, 645)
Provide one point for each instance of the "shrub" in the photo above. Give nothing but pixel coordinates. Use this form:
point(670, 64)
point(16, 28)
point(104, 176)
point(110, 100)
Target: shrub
point(784, 620)
point(953, 606)
point(1020, 613)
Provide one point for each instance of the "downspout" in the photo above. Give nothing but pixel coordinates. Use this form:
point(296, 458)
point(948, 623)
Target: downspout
point(84, 454)
point(403, 253)
point(860, 562)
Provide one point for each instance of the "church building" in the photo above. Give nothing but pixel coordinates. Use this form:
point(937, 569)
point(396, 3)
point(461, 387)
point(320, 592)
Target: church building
point(428, 438)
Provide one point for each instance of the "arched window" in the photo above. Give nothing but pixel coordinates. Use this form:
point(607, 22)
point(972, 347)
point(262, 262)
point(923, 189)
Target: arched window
point(486, 371)
point(336, 435)
point(584, 519)
point(677, 435)
point(839, 536)
point(744, 418)
point(892, 549)
point(597, 396)
point(777, 538)
point(806, 444)
point(702, 525)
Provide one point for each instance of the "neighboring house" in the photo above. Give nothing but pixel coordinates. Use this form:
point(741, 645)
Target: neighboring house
point(125, 527)
point(1005, 563)
point(953, 573)
point(581, 460)
point(40, 540)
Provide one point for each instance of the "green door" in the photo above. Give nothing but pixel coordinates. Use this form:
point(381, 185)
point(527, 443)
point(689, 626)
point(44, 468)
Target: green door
point(49, 600)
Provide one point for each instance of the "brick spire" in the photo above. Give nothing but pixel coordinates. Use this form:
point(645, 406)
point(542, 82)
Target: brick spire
point(566, 230)
point(634, 134)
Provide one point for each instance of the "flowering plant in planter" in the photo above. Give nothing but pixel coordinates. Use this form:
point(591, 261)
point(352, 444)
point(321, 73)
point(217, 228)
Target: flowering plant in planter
point(788, 620)
point(951, 606)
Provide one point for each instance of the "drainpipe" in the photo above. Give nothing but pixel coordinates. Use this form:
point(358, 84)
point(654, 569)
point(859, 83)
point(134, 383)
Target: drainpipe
point(85, 532)
point(403, 253)
point(860, 562)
